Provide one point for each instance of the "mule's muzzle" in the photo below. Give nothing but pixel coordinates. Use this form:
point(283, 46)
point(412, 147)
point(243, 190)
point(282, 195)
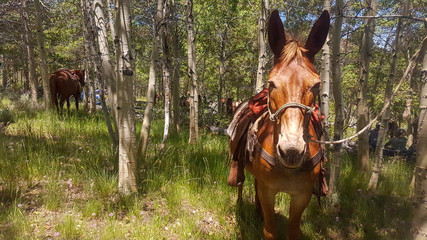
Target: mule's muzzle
point(291, 156)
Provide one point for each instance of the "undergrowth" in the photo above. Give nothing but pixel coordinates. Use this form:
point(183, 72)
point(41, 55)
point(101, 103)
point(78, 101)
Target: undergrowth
point(58, 180)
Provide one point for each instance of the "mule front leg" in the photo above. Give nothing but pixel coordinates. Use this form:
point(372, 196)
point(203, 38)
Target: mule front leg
point(266, 199)
point(298, 204)
point(68, 105)
point(61, 103)
point(54, 97)
point(77, 97)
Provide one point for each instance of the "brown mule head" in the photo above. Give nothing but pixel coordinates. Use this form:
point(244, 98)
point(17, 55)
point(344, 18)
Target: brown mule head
point(293, 79)
point(81, 75)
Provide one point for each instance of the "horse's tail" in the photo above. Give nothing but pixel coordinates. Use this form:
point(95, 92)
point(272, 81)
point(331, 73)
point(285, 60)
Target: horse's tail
point(52, 82)
point(53, 88)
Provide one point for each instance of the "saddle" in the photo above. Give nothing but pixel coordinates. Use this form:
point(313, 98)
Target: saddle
point(241, 132)
point(245, 115)
point(69, 72)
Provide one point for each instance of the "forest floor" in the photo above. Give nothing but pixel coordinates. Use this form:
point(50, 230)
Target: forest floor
point(59, 180)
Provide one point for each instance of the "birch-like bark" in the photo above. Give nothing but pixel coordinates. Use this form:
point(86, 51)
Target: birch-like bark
point(25, 72)
point(42, 55)
point(91, 52)
point(376, 170)
point(104, 51)
point(262, 51)
point(362, 106)
point(194, 102)
point(338, 97)
point(30, 55)
point(419, 223)
point(148, 114)
point(176, 66)
point(125, 102)
point(407, 117)
point(166, 59)
point(112, 89)
point(325, 78)
point(107, 72)
point(166, 86)
point(86, 64)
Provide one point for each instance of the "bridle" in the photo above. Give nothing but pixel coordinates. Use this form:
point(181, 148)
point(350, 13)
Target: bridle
point(308, 111)
point(318, 158)
point(274, 116)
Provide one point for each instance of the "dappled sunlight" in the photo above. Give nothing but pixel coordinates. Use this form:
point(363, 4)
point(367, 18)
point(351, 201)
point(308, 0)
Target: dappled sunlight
point(58, 179)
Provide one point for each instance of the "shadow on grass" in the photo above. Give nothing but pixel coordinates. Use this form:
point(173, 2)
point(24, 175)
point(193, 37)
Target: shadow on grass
point(359, 214)
point(28, 154)
point(250, 222)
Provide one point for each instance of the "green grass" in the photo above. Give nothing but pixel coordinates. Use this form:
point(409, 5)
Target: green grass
point(58, 180)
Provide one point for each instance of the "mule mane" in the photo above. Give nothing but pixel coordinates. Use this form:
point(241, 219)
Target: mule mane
point(293, 49)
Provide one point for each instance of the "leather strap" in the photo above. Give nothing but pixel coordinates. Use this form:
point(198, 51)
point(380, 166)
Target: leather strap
point(272, 160)
point(264, 154)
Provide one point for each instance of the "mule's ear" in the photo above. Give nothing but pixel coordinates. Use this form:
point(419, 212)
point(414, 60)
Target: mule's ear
point(317, 36)
point(276, 34)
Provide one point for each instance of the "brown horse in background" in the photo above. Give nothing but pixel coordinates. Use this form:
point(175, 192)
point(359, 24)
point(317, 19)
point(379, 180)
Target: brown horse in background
point(275, 145)
point(65, 83)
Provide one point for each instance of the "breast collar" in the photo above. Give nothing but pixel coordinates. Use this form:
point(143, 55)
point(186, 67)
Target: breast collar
point(255, 145)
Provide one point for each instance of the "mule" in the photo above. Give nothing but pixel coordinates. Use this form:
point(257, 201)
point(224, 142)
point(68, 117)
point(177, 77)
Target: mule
point(65, 83)
point(275, 146)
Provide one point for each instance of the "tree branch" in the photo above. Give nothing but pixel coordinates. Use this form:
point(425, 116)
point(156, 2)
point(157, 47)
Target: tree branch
point(390, 16)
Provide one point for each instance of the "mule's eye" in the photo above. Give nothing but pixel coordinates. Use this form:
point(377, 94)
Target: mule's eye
point(271, 85)
point(316, 88)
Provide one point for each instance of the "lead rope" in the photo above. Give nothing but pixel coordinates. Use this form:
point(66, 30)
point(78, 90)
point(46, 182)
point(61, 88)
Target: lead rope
point(402, 80)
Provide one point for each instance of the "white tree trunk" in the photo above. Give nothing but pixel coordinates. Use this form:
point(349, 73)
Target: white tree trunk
point(191, 46)
point(86, 65)
point(362, 106)
point(166, 73)
point(262, 54)
point(166, 85)
point(42, 54)
point(91, 52)
point(339, 100)
point(148, 113)
point(176, 66)
point(126, 120)
point(30, 55)
point(419, 224)
point(376, 170)
point(325, 78)
point(107, 73)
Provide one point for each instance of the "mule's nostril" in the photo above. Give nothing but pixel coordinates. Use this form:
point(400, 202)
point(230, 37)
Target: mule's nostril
point(290, 156)
point(282, 153)
point(289, 153)
point(294, 153)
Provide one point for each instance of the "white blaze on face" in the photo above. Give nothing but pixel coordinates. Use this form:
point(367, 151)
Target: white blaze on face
point(291, 144)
